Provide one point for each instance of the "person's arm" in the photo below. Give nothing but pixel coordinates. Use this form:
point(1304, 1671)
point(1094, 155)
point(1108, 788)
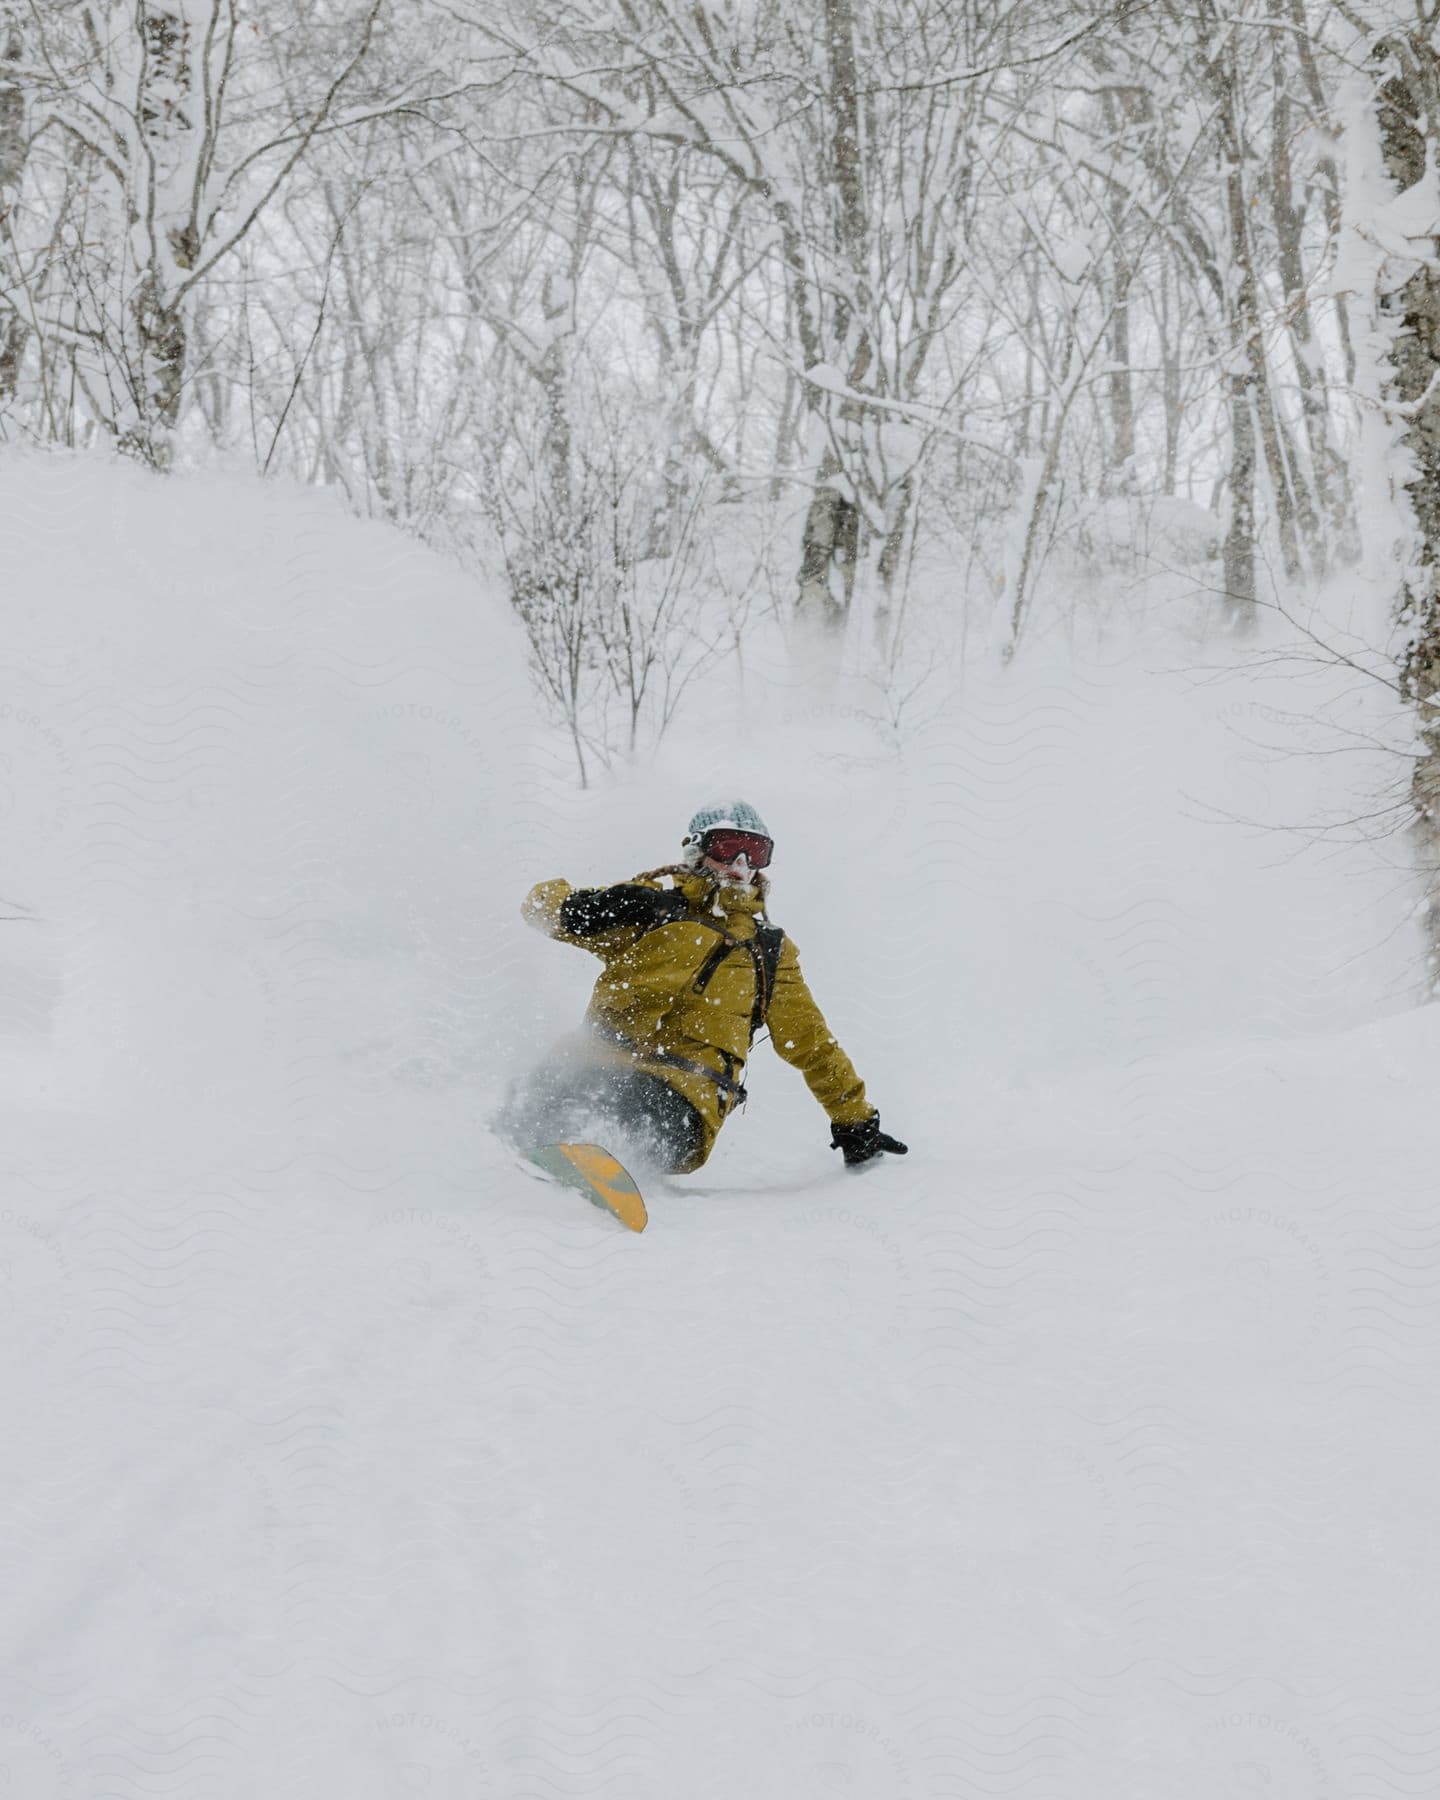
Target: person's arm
point(801, 1036)
point(584, 915)
point(799, 1032)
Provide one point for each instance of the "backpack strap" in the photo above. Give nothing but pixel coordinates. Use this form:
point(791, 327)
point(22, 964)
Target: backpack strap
point(764, 953)
point(764, 950)
point(713, 961)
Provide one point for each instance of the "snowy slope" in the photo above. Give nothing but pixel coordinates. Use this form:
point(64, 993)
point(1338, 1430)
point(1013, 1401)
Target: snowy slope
point(1085, 1453)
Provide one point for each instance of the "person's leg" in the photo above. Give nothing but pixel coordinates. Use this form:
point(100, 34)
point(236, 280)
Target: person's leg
point(637, 1117)
point(663, 1127)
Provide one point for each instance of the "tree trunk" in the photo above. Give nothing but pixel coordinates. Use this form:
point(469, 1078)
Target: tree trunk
point(552, 371)
point(166, 109)
point(1119, 473)
point(1170, 383)
point(792, 408)
point(1245, 381)
point(829, 545)
point(1332, 526)
point(830, 541)
point(160, 374)
point(1245, 335)
point(1330, 193)
point(1238, 562)
point(13, 146)
point(1409, 100)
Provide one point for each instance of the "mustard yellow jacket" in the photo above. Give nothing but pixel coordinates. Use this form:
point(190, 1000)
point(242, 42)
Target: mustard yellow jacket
point(645, 994)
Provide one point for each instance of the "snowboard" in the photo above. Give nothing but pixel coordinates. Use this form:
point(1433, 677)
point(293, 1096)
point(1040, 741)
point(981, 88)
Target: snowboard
point(596, 1174)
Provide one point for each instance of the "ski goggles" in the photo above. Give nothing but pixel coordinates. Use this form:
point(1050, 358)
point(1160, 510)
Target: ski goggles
point(724, 844)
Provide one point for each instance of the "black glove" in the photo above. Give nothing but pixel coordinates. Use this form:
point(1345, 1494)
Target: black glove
point(861, 1142)
point(589, 911)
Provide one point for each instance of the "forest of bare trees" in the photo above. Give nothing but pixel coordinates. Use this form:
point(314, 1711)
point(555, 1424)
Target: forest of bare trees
point(682, 313)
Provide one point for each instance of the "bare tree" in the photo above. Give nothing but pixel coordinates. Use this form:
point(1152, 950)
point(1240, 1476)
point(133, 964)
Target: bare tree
point(1409, 110)
point(13, 152)
point(153, 95)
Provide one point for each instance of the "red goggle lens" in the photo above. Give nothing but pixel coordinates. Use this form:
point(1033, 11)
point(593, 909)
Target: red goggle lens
point(723, 846)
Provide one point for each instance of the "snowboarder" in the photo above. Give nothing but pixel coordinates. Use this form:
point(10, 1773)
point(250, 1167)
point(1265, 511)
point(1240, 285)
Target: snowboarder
point(692, 971)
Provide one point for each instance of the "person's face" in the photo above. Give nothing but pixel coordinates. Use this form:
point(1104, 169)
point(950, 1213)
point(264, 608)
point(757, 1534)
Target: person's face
point(734, 857)
point(734, 874)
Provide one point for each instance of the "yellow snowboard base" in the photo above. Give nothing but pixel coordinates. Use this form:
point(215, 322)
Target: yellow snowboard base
point(596, 1174)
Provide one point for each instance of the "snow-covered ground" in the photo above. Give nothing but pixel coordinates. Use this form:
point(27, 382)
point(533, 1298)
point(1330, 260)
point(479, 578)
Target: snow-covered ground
point(1086, 1453)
